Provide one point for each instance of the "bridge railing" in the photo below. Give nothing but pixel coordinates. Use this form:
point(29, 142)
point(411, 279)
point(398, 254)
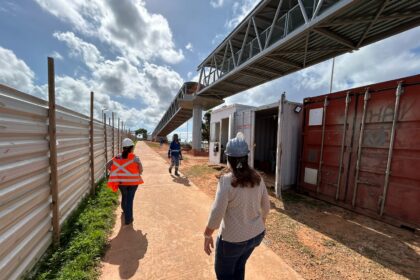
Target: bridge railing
point(282, 25)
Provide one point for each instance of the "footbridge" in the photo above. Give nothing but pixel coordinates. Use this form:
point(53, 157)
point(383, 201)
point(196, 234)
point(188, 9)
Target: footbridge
point(279, 37)
point(185, 105)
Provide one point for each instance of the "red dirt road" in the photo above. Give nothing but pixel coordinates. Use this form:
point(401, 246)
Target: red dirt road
point(165, 241)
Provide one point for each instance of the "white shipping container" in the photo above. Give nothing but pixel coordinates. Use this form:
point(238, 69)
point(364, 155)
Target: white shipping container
point(273, 133)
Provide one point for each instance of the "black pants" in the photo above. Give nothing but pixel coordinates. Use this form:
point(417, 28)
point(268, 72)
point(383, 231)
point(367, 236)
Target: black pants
point(231, 257)
point(127, 198)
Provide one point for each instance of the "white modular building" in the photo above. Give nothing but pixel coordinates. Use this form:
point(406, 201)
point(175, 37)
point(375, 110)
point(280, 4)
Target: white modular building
point(273, 133)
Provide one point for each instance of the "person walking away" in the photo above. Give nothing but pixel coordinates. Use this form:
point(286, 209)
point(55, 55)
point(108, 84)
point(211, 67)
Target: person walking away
point(161, 141)
point(125, 175)
point(240, 209)
point(174, 153)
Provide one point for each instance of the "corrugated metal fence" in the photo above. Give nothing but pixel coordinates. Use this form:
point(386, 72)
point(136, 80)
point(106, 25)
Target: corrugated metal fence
point(26, 212)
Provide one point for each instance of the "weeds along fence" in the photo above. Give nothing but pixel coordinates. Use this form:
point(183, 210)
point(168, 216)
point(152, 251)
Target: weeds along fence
point(47, 166)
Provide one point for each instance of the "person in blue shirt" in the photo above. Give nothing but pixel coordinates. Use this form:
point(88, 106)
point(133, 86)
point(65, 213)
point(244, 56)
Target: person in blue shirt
point(174, 153)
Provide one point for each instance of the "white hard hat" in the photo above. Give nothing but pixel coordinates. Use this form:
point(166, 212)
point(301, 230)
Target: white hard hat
point(127, 142)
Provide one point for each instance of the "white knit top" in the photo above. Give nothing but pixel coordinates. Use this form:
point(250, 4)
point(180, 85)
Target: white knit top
point(239, 211)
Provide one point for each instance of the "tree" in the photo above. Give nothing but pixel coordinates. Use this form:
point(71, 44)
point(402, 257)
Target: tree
point(205, 126)
point(142, 132)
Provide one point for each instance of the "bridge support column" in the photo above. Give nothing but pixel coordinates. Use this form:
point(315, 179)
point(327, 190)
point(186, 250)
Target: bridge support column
point(196, 131)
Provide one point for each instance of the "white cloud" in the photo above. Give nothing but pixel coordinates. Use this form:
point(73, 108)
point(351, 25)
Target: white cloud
point(216, 3)
point(189, 47)
point(153, 84)
point(78, 47)
point(152, 87)
point(14, 72)
point(127, 26)
point(56, 55)
point(240, 10)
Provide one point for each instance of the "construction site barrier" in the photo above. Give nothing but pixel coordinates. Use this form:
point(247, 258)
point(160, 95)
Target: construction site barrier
point(50, 159)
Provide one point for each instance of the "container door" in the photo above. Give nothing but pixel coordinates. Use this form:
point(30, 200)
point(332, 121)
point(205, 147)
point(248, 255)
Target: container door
point(397, 195)
point(279, 180)
point(232, 132)
point(328, 130)
point(244, 123)
point(289, 136)
point(251, 138)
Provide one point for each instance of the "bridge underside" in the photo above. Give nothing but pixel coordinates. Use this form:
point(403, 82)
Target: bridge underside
point(182, 112)
point(281, 37)
point(180, 117)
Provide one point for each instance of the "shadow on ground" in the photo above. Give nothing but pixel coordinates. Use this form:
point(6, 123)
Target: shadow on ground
point(381, 243)
point(181, 180)
point(130, 246)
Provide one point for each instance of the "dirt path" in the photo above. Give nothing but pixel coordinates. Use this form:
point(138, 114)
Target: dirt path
point(166, 240)
point(321, 241)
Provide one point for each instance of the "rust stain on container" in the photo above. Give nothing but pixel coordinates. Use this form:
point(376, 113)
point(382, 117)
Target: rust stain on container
point(370, 145)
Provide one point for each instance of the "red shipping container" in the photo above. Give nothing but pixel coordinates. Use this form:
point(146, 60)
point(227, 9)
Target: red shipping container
point(361, 150)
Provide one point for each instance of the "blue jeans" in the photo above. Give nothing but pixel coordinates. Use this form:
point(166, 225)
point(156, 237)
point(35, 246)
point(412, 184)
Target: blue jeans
point(231, 257)
point(175, 161)
point(127, 198)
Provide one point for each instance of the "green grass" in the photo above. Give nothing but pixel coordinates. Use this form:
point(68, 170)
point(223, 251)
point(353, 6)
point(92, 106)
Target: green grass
point(83, 240)
point(199, 170)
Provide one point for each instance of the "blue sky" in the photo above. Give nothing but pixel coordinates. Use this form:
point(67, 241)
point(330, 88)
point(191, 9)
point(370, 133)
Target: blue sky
point(136, 54)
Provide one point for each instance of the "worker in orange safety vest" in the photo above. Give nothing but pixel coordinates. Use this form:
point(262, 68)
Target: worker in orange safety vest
point(125, 174)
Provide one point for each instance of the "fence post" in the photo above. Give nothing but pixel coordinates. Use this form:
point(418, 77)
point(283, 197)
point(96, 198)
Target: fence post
point(113, 136)
point(118, 136)
point(106, 146)
point(52, 132)
point(92, 156)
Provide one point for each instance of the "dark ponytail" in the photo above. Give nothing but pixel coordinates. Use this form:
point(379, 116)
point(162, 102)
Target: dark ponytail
point(242, 174)
point(126, 151)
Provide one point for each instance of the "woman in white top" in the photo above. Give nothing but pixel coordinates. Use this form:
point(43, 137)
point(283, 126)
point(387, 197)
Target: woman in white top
point(239, 211)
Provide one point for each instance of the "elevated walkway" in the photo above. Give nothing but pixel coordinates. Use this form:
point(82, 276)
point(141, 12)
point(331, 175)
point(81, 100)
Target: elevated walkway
point(181, 109)
point(280, 37)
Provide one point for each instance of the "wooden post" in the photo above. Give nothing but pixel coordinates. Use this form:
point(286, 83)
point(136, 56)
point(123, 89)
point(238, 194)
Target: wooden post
point(118, 137)
point(106, 146)
point(52, 131)
point(92, 156)
point(122, 131)
point(113, 136)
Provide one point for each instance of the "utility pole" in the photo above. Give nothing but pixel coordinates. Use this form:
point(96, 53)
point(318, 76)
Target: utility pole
point(332, 74)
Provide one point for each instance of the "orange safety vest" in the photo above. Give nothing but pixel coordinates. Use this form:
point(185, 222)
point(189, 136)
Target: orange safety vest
point(124, 172)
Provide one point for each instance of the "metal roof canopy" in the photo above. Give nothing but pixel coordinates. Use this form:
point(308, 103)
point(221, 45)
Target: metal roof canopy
point(280, 37)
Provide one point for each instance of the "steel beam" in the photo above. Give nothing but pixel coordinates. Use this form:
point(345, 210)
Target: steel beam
point(284, 61)
point(276, 16)
point(302, 9)
point(267, 70)
point(335, 37)
point(244, 42)
point(233, 54)
point(257, 34)
point(372, 23)
point(318, 7)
